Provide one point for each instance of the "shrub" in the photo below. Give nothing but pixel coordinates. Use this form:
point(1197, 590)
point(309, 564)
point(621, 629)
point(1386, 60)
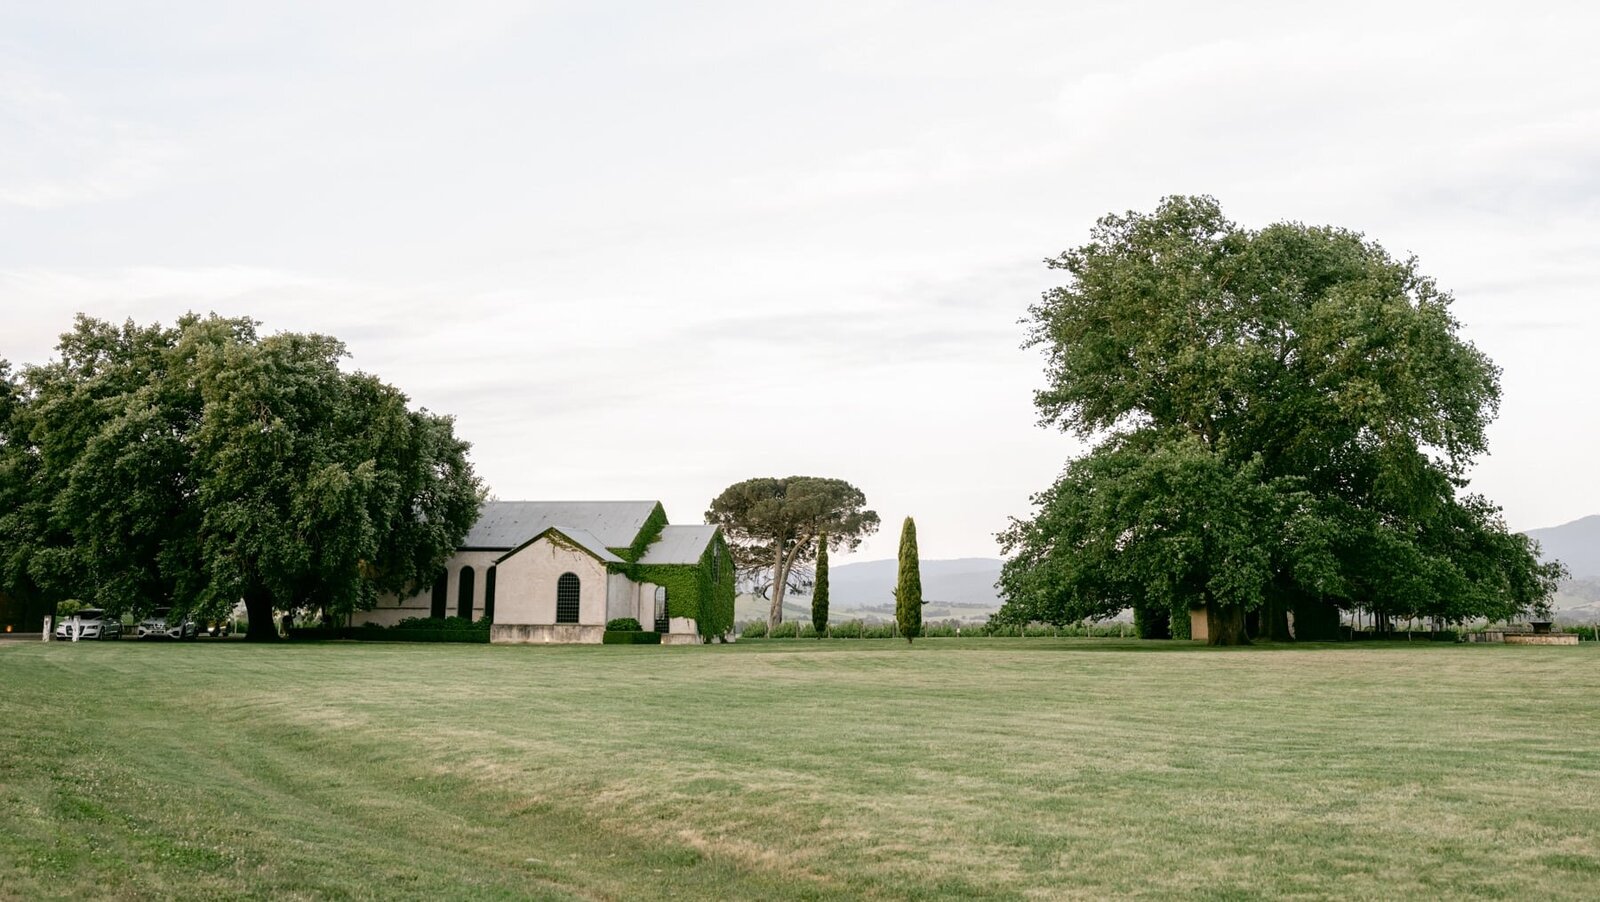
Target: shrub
point(755, 629)
point(623, 625)
point(442, 623)
point(629, 637)
point(878, 631)
point(850, 629)
point(784, 631)
point(807, 631)
point(371, 633)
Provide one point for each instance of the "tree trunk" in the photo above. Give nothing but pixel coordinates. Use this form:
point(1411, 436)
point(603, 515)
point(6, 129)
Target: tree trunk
point(1225, 625)
point(258, 610)
point(780, 579)
point(1275, 619)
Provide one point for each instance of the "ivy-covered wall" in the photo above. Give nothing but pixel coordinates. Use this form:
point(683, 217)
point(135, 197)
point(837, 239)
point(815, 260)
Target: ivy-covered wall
point(649, 532)
point(704, 590)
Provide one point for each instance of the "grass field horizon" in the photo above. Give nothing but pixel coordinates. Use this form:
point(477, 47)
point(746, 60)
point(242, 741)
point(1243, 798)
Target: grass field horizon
point(981, 768)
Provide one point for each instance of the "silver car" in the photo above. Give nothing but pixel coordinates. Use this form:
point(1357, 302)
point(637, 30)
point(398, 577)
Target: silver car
point(163, 625)
point(90, 623)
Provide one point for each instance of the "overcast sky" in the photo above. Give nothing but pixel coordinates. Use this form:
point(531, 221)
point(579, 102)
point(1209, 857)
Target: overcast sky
point(641, 251)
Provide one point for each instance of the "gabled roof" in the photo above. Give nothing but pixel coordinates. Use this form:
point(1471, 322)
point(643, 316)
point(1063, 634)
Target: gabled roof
point(582, 538)
point(504, 525)
point(679, 545)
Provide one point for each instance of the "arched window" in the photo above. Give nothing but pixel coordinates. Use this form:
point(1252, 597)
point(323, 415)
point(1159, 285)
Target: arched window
point(662, 623)
point(441, 593)
point(488, 595)
point(567, 598)
point(464, 593)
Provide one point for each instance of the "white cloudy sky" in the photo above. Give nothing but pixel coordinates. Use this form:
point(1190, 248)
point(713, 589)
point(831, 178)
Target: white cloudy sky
point(642, 250)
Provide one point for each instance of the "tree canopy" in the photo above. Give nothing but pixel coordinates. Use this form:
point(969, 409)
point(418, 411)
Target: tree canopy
point(1282, 421)
point(199, 465)
point(774, 524)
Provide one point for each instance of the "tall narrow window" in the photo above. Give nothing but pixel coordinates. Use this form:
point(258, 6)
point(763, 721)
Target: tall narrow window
point(488, 595)
point(441, 593)
point(464, 593)
point(663, 624)
point(567, 598)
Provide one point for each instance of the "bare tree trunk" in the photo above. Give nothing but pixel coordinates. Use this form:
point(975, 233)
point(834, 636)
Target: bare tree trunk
point(1225, 625)
point(780, 580)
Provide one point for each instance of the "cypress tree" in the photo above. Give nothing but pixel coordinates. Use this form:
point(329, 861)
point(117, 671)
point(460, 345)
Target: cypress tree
point(819, 595)
point(908, 588)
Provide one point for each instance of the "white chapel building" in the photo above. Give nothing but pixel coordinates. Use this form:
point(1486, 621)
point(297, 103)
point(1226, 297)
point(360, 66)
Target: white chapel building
point(558, 571)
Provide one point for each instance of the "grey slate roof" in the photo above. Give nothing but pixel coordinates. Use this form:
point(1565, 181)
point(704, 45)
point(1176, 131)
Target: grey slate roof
point(679, 545)
point(582, 537)
point(503, 525)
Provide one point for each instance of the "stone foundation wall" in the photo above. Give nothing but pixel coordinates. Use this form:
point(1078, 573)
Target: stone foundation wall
point(1541, 639)
point(546, 634)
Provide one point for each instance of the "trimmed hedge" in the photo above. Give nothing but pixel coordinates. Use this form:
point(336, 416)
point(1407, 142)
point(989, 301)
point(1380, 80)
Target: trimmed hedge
point(623, 625)
point(412, 634)
point(442, 623)
point(629, 637)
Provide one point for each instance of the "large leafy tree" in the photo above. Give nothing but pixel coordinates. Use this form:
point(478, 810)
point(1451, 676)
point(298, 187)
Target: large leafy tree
point(200, 465)
point(774, 526)
point(1283, 422)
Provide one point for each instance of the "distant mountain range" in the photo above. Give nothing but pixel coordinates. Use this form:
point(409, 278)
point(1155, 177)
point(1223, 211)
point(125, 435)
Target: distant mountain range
point(1577, 544)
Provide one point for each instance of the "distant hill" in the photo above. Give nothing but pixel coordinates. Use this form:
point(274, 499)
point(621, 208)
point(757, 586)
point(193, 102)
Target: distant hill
point(1577, 544)
point(964, 581)
point(962, 589)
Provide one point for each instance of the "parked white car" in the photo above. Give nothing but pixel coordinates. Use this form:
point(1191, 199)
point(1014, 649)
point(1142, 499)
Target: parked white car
point(163, 625)
point(92, 623)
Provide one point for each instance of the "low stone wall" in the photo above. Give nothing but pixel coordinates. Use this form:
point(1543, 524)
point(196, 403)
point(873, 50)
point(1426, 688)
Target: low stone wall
point(1540, 639)
point(546, 634)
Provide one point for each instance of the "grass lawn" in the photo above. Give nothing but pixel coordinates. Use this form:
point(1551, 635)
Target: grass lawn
point(1000, 768)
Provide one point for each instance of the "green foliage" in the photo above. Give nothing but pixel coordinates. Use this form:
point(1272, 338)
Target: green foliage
point(373, 633)
point(648, 532)
point(196, 465)
point(755, 629)
point(1284, 414)
point(442, 623)
point(68, 607)
point(908, 585)
point(774, 524)
point(623, 625)
point(850, 629)
point(819, 593)
point(629, 637)
point(1179, 622)
point(704, 591)
point(788, 630)
point(1152, 622)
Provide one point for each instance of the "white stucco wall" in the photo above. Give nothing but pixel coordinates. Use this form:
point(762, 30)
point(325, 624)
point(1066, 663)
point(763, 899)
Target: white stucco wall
point(622, 597)
point(391, 610)
point(525, 585)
